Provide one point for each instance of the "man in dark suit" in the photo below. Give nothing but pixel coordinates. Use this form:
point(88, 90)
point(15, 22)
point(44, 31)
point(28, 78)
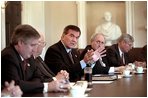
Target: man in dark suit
point(101, 66)
point(46, 74)
point(118, 53)
point(63, 56)
point(17, 62)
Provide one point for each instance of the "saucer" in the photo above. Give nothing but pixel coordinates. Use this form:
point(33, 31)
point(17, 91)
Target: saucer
point(127, 76)
point(139, 72)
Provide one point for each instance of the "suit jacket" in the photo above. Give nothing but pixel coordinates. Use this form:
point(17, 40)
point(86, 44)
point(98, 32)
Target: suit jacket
point(46, 74)
point(58, 59)
point(29, 80)
point(114, 56)
point(97, 69)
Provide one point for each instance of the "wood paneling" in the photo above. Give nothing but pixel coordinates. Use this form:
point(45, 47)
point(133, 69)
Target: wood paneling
point(13, 18)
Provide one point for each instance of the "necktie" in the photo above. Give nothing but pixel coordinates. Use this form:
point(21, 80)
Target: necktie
point(102, 63)
point(24, 64)
point(122, 57)
point(70, 55)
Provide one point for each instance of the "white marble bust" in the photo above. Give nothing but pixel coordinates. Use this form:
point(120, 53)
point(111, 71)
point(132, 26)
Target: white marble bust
point(110, 30)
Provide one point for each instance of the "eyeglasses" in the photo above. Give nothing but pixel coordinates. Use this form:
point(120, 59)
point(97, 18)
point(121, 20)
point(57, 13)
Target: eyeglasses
point(130, 44)
point(42, 43)
point(100, 42)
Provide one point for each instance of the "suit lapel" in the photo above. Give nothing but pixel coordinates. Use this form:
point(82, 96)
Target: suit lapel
point(75, 56)
point(22, 73)
point(118, 53)
point(44, 67)
point(64, 54)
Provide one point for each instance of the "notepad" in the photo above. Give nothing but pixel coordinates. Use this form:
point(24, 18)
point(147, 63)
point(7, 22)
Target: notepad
point(105, 78)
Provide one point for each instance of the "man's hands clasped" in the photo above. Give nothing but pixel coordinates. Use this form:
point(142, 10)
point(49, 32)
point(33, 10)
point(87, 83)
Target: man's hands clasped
point(61, 83)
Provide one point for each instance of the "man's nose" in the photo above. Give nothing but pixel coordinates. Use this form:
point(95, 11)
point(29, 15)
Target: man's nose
point(34, 50)
point(75, 39)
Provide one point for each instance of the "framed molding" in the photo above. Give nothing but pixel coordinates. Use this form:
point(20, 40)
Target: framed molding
point(123, 15)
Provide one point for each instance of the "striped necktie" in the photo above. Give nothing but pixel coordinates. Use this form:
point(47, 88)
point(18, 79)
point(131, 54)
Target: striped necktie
point(122, 57)
point(70, 55)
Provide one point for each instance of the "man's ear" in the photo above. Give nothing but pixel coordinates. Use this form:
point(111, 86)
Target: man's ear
point(20, 42)
point(62, 35)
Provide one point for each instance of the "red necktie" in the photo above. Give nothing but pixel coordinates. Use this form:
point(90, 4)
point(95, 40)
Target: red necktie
point(24, 64)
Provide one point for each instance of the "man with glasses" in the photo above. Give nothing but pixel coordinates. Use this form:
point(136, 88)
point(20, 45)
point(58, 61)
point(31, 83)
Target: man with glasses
point(101, 65)
point(118, 53)
point(46, 74)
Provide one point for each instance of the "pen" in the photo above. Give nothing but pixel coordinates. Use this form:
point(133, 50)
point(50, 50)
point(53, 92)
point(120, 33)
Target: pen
point(67, 81)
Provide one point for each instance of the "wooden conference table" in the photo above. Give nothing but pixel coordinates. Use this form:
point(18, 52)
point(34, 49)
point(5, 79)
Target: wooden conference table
point(135, 86)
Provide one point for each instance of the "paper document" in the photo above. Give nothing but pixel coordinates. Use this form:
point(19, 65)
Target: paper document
point(101, 82)
point(105, 78)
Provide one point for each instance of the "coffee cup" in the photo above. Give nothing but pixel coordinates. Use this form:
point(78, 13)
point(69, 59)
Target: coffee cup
point(139, 69)
point(132, 65)
point(126, 72)
point(77, 91)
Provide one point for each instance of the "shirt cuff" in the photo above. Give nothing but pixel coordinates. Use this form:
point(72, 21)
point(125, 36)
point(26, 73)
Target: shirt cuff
point(54, 78)
point(83, 64)
point(111, 70)
point(92, 66)
point(45, 87)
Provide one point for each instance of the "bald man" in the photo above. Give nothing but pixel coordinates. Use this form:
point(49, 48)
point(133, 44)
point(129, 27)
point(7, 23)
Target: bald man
point(46, 74)
point(101, 66)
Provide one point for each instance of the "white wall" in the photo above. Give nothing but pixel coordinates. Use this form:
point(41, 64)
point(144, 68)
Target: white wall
point(50, 17)
point(33, 14)
point(57, 16)
point(140, 23)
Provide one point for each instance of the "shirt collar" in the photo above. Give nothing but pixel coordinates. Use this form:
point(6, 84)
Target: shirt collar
point(67, 50)
point(120, 51)
point(22, 58)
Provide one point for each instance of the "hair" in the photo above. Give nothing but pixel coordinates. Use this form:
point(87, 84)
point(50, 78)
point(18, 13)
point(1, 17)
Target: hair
point(107, 12)
point(94, 36)
point(126, 37)
point(71, 27)
point(24, 32)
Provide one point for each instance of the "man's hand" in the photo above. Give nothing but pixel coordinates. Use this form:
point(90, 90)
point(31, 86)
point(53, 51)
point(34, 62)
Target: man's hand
point(58, 86)
point(88, 56)
point(120, 69)
point(62, 75)
point(11, 90)
point(98, 54)
point(138, 63)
